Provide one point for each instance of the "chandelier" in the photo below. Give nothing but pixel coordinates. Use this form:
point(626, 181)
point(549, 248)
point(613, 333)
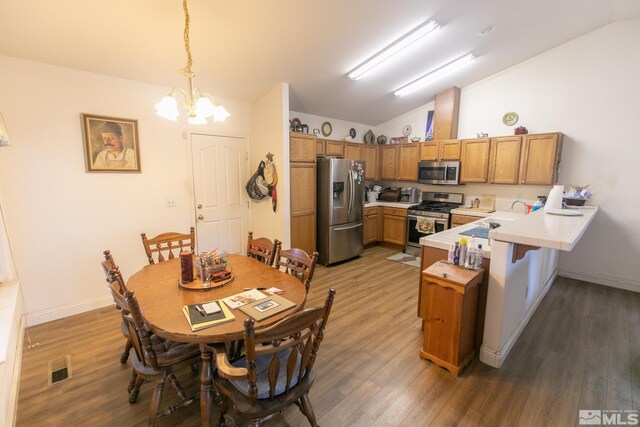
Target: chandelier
point(198, 105)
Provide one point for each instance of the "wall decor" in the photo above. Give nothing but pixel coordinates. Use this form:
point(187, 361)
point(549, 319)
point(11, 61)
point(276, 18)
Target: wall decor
point(510, 118)
point(352, 133)
point(4, 134)
point(428, 133)
point(326, 129)
point(406, 130)
point(110, 144)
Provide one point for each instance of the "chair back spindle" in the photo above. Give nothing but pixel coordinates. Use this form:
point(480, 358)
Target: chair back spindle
point(168, 245)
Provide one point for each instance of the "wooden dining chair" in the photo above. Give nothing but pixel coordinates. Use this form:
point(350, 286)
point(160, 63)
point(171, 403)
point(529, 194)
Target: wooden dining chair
point(262, 249)
point(108, 266)
point(153, 358)
point(168, 245)
point(278, 367)
point(297, 263)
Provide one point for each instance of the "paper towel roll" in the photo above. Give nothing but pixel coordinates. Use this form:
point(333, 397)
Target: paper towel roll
point(554, 201)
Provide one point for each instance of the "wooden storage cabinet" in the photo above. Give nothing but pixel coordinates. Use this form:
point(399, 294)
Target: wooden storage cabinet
point(408, 164)
point(474, 160)
point(540, 158)
point(320, 147)
point(302, 148)
point(389, 162)
point(370, 226)
point(394, 226)
point(449, 306)
point(334, 148)
point(445, 116)
point(370, 154)
point(448, 149)
point(458, 219)
point(504, 161)
point(353, 151)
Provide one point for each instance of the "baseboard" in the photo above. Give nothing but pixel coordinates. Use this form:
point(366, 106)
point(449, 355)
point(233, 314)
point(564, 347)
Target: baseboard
point(613, 282)
point(60, 312)
point(496, 358)
point(12, 408)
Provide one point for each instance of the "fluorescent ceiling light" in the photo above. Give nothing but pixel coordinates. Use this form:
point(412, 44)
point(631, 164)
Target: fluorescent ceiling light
point(436, 74)
point(406, 40)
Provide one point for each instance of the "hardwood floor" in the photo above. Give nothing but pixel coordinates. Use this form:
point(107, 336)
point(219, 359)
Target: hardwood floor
point(581, 350)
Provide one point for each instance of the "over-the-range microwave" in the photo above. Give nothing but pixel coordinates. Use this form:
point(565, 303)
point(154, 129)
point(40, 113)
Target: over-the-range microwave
point(439, 172)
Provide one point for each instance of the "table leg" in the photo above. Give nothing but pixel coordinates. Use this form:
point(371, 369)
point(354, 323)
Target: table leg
point(206, 387)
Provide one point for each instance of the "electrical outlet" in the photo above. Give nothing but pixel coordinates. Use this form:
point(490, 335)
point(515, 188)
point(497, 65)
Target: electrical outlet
point(170, 203)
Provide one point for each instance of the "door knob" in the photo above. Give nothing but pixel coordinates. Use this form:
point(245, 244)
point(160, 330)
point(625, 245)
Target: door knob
point(199, 206)
point(200, 217)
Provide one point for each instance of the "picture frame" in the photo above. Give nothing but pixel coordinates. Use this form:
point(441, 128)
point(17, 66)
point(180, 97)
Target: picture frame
point(4, 134)
point(110, 144)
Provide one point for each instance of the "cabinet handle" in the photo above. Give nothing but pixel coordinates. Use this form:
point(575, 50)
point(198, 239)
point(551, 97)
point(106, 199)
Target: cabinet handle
point(523, 181)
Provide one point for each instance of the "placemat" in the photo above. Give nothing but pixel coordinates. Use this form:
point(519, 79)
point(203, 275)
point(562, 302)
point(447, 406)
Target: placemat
point(480, 232)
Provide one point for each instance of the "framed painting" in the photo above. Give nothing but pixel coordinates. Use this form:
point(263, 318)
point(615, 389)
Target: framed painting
point(428, 134)
point(110, 144)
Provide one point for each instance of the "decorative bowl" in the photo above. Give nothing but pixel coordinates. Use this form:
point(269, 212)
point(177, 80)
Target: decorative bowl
point(574, 202)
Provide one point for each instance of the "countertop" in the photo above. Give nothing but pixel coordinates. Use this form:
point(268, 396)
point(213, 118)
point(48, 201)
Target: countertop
point(545, 230)
point(444, 239)
point(404, 205)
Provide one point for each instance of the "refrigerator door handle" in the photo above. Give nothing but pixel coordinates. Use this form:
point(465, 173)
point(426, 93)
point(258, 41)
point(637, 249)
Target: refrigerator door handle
point(350, 189)
point(348, 228)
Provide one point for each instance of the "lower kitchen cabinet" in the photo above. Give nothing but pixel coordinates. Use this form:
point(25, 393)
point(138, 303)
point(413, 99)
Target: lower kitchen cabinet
point(458, 219)
point(303, 232)
point(394, 226)
point(370, 225)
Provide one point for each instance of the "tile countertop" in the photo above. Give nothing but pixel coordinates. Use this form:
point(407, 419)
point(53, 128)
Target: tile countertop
point(444, 239)
point(545, 230)
point(404, 205)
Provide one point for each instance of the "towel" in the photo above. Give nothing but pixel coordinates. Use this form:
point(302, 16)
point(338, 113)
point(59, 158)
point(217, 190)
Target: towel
point(425, 225)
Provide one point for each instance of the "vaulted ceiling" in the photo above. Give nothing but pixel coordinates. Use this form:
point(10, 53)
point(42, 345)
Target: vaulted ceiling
point(242, 48)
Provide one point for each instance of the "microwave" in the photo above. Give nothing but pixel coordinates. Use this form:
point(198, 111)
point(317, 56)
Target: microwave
point(439, 172)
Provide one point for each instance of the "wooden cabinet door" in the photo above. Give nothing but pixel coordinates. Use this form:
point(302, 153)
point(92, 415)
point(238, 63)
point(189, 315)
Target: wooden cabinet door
point(334, 148)
point(389, 162)
point(409, 154)
point(320, 143)
point(504, 161)
point(394, 229)
point(370, 231)
point(429, 150)
point(302, 148)
point(353, 151)
point(458, 219)
point(474, 160)
point(449, 149)
point(370, 156)
point(445, 116)
point(540, 158)
point(303, 206)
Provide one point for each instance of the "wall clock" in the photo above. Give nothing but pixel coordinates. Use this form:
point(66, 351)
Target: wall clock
point(326, 129)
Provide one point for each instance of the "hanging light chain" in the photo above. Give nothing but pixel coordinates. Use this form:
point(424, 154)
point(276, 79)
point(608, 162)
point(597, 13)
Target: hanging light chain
point(186, 70)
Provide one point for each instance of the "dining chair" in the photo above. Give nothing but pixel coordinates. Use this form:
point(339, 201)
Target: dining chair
point(297, 263)
point(164, 245)
point(107, 266)
point(262, 249)
point(154, 357)
point(277, 369)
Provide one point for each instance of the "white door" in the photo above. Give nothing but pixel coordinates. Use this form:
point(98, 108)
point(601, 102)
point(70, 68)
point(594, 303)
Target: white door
point(222, 204)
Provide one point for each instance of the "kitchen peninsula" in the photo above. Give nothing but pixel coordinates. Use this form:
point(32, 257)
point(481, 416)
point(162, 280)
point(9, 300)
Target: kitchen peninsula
point(523, 254)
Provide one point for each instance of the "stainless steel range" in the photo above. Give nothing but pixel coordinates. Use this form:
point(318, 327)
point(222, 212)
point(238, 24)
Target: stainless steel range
point(434, 206)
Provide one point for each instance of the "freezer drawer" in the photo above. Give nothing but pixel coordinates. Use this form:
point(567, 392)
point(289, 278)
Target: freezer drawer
point(342, 242)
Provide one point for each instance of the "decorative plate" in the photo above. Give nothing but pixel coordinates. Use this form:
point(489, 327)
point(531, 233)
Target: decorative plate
point(382, 139)
point(296, 122)
point(406, 131)
point(369, 137)
point(352, 133)
point(510, 118)
point(326, 129)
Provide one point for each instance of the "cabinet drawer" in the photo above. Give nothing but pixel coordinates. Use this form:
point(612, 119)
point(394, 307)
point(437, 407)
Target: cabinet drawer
point(457, 219)
point(395, 211)
point(373, 210)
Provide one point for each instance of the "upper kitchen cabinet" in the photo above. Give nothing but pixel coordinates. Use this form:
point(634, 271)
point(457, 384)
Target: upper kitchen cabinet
point(504, 161)
point(474, 160)
point(320, 143)
point(334, 148)
point(448, 149)
point(408, 164)
point(389, 162)
point(353, 151)
point(302, 147)
point(445, 115)
point(540, 158)
point(370, 154)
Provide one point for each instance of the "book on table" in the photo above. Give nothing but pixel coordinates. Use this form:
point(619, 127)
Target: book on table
point(246, 297)
point(205, 315)
point(266, 307)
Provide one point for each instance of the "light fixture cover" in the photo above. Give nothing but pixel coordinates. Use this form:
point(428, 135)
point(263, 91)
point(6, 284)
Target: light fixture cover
point(168, 108)
point(434, 75)
point(399, 44)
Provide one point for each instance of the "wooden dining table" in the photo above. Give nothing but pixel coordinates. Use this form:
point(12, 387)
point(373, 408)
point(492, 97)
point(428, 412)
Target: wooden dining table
point(161, 299)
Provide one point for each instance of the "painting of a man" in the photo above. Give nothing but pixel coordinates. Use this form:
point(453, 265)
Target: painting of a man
point(111, 144)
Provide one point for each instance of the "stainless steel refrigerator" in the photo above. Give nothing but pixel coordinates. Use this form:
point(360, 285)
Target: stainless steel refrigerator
point(340, 206)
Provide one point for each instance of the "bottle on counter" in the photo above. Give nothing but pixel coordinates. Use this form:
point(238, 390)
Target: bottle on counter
point(470, 259)
point(463, 251)
point(456, 253)
point(478, 260)
point(451, 253)
point(537, 205)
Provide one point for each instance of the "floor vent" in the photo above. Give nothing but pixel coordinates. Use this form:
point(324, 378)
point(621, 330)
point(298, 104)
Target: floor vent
point(59, 370)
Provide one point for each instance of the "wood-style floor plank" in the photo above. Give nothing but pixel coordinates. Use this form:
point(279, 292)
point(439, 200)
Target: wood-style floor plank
point(581, 350)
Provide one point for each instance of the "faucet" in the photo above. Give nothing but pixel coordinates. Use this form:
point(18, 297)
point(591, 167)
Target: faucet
point(523, 204)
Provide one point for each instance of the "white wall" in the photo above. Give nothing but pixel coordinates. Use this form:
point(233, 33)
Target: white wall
point(589, 90)
point(271, 134)
point(417, 119)
point(60, 218)
point(340, 128)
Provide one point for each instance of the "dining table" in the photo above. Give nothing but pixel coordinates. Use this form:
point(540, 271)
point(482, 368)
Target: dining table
point(161, 299)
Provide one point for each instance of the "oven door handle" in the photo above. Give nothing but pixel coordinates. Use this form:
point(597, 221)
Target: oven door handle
point(440, 220)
